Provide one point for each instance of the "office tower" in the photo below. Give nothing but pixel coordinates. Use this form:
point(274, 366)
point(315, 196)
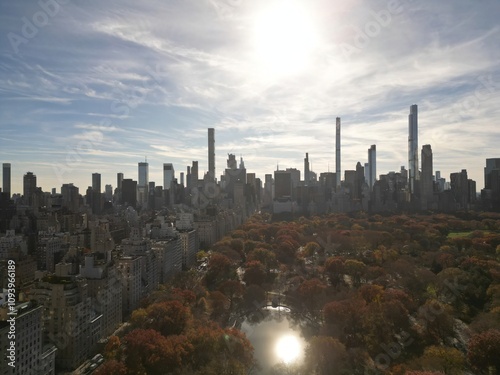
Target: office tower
point(71, 197)
point(282, 184)
point(337, 153)
point(143, 174)
point(168, 175)
point(426, 182)
point(108, 192)
point(182, 178)
point(96, 182)
point(359, 181)
point(6, 178)
point(413, 148)
point(142, 184)
point(372, 165)
point(460, 189)
point(306, 169)
point(29, 187)
point(231, 162)
point(129, 192)
point(95, 199)
point(119, 179)
point(194, 174)
point(491, 165)
point(211, 154)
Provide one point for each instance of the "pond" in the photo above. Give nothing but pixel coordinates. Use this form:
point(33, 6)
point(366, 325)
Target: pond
point(275, 338)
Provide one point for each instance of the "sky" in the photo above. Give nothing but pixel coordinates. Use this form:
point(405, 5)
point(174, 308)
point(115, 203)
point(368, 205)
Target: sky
point(93, 86)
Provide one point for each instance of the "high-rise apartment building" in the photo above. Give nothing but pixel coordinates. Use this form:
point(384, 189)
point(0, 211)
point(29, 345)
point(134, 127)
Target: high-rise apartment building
point(413, 149)
point(69, 320)
point(211, 154)
point(372, 165)
point(32, 357)
point(105, 290)
point(6, 178)
point(337, 153)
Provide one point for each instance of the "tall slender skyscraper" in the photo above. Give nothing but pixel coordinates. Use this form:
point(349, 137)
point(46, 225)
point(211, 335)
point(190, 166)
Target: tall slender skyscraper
point(211, 154)
point(6, 178)
point(372, 163)
point(143, 183)
point(306, 169)
point(337, 152)
point(413, 148)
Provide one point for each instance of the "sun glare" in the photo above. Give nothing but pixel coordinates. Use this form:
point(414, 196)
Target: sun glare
point(288, 349)
point(284, 37)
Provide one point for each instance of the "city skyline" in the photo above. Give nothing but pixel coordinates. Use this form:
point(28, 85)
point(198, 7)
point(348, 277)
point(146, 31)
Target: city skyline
point(99, 87)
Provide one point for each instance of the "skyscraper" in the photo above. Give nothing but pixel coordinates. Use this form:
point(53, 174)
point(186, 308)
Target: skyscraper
point(6, 178)
point(119, 179)
point(95, 200)
point(168, 175)
point(142, 184)
point(372, 163)
point(211, 154)
point(426, 181)
point(337, 152)
point(413, 148)
point(29, 187)
point(143, 174)
point(306, 169)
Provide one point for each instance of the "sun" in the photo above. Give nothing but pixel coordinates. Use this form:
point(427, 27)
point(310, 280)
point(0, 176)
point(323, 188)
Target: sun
point(288, 349)
point(284, 37)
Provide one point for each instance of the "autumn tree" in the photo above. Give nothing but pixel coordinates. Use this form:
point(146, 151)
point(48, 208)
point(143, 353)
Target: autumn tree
point(451, 361)
point(168, 318)
point(232, 289)
point(335, 269)
point(111, 367)
point(255, 273)
point(483, 351)
point(220, 268)
point(147, 351)
point(325, 356)
point(112, 348)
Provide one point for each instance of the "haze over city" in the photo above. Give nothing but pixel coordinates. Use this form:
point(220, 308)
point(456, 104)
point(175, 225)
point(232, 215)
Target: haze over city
point(90, 87)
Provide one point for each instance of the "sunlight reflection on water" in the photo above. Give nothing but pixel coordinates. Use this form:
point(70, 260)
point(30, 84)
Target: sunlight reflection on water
point(275, 340)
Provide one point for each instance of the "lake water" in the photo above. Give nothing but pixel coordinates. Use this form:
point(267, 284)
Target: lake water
point(275, 338)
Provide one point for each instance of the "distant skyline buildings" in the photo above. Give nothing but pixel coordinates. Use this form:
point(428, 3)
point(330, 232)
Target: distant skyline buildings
point(143, 167)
